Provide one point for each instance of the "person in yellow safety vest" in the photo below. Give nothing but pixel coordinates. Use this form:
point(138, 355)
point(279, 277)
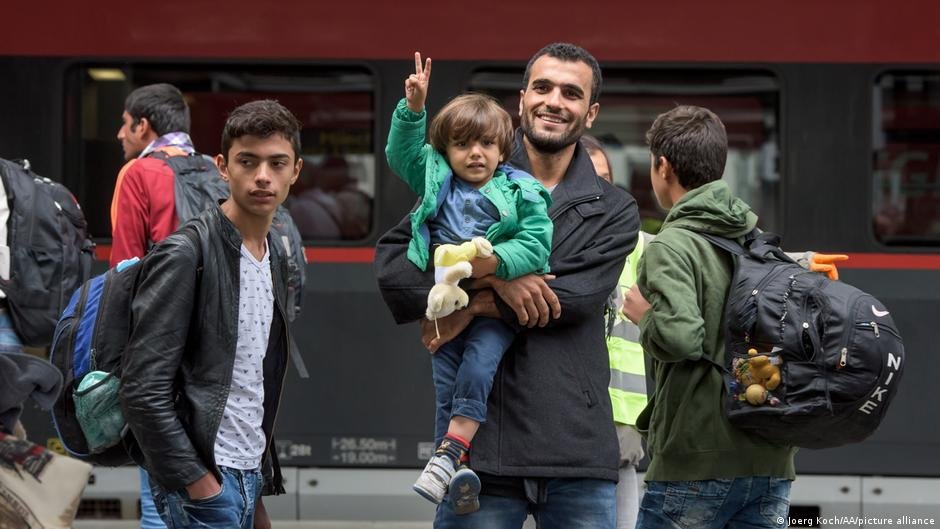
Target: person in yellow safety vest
point(627, 389)
point(627, 367)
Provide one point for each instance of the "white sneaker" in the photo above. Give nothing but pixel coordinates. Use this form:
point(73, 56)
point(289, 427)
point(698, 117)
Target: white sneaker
point(434, 479)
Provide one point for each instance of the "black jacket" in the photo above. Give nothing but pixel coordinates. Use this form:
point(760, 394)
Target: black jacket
point(178, 364)
point(549, 413)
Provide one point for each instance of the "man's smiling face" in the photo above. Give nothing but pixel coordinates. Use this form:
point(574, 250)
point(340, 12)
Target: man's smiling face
point(555, 107)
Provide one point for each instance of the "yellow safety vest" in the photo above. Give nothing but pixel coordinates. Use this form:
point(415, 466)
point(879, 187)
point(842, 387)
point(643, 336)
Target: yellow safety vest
point(627, 367)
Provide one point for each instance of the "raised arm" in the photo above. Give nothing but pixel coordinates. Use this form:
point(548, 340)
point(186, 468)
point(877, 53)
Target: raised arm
point(406, 151)
point(416, 85)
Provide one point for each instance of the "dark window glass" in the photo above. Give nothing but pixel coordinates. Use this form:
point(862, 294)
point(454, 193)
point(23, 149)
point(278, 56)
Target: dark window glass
point(747, 103)
point(906, 194)
point(334, 196)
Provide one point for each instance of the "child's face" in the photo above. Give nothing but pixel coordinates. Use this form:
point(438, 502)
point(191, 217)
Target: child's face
point(474, 161)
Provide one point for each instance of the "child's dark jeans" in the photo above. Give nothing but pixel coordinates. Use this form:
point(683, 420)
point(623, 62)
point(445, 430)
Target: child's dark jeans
point(463, 371)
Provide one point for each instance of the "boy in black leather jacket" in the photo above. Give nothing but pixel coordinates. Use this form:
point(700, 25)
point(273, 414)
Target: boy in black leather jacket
point(205, 363)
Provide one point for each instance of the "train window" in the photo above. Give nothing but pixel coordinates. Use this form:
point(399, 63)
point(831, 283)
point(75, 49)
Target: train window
point(334, 197)
point(906, 187)
point(746, 101)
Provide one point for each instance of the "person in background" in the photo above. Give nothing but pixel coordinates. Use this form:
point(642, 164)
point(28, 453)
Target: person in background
point(155, 120)
point(627, 368)
point(155, 127)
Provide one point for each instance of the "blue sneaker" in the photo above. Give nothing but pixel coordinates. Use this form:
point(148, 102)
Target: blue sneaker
point(464, 491)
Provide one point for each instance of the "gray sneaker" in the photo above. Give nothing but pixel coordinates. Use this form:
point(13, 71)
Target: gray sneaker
point(465, 491)
point(433, 481)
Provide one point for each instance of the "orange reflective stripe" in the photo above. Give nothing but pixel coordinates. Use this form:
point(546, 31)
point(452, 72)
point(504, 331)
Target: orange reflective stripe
point(117, 192)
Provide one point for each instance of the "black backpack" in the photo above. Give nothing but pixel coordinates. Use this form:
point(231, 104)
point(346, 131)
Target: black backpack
point(809, 361)
point(198, 186)
point(50, 252)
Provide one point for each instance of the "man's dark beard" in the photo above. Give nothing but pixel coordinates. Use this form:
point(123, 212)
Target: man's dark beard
point(550, 145)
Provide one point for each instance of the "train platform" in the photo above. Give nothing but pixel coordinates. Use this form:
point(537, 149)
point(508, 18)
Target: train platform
point(336, 498)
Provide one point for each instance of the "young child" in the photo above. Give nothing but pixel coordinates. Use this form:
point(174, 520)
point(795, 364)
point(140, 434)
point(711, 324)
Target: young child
point(466, 194)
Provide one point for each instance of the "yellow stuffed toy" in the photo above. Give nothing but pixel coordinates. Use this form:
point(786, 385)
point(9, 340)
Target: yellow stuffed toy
point(758, 374)
point(451, 264)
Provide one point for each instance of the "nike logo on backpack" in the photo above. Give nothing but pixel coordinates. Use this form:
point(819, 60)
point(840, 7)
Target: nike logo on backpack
point(879, 313)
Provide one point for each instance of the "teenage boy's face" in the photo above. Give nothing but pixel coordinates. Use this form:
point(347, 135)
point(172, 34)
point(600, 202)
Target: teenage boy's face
point(555, 107)
point(259, 172)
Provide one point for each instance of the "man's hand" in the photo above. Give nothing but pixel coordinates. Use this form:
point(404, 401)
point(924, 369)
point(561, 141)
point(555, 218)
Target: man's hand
point(634, 305)
point(530, 297)
point(825, 263)
point(416, 85)
point(204, 487)
point(450, 326)
point(262, 521)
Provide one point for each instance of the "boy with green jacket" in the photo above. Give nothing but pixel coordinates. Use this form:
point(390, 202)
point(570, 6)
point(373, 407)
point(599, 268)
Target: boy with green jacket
point(703, 472)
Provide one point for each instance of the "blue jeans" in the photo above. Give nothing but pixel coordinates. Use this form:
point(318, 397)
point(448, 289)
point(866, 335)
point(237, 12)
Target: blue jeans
point(9, 341)
point(740, 503)
point(463, 370)
point(567, 504)
point(233, 507)
point(149, 517)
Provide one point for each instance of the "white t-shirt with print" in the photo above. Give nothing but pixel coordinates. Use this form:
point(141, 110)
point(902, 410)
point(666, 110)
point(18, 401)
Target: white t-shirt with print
point(240, 442)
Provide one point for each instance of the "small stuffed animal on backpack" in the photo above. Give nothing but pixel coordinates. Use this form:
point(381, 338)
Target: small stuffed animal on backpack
point(451, 264)
point(758, 374)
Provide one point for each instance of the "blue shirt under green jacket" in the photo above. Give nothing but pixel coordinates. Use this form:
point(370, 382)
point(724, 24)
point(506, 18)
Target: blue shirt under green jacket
point(523, 235)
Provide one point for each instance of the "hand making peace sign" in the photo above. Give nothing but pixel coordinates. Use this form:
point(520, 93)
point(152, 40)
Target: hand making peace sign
point(416, 85)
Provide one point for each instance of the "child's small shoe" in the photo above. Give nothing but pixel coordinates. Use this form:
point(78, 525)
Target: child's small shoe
point(433, 481)
point(465, 491)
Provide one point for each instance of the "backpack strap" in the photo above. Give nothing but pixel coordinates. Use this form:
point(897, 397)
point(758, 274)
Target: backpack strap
point(293, 350)
point(166, 152)
point(295, 357)
point(720, 367)
point(726, 244)
point(767, 245)
point(759, 245)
